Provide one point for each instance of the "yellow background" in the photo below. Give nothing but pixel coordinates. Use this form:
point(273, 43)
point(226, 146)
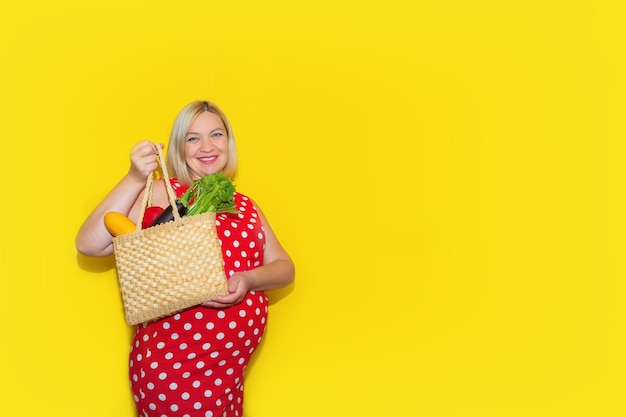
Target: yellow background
point(447, 175)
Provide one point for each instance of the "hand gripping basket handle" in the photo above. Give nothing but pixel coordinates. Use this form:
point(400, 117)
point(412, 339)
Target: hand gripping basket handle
point(147, 197)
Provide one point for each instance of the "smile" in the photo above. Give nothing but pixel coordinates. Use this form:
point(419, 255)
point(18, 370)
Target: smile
point(207, 159)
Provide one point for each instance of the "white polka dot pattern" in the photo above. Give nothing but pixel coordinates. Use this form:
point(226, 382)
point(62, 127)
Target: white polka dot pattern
point(192, 364)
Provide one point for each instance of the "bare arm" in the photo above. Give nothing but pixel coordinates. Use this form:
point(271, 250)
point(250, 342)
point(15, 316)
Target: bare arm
point(93, 239)
point(277, 271)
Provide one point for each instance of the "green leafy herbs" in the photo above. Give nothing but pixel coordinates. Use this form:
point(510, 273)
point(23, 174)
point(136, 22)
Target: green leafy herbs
point(211, 193)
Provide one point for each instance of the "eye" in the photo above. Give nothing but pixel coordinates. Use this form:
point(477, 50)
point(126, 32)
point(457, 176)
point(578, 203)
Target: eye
point(192, 139)
point(217, 135)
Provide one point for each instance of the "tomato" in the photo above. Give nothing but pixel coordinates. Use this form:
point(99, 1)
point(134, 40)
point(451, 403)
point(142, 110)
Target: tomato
point(149, 215)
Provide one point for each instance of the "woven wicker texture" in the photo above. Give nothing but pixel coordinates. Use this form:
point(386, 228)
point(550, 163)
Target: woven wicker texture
point(169, 267)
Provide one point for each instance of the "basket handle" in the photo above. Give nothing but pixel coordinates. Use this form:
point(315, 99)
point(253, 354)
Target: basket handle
point(147, 197)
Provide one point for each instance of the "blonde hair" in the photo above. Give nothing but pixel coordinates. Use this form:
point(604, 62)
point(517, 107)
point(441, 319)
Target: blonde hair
point(175, 157)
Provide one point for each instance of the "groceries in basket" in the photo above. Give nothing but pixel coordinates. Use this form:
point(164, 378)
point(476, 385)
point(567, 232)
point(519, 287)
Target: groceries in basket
point(212, 193)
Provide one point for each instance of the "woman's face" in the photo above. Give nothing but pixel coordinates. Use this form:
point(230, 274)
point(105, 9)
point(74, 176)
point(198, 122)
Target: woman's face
point(206, 145)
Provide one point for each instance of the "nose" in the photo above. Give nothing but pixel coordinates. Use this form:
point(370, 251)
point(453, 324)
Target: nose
point(206, 145)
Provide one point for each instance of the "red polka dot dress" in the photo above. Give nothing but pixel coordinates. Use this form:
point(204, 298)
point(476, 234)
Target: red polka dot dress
point(192, 364)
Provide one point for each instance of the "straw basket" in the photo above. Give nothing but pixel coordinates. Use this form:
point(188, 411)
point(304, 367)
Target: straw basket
point(168, 267)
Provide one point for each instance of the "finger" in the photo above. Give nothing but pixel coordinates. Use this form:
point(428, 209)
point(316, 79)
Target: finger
point(212, 304)
point(226, 299)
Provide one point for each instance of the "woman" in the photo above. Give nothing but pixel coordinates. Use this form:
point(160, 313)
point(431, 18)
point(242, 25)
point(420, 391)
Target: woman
point(192, 363)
